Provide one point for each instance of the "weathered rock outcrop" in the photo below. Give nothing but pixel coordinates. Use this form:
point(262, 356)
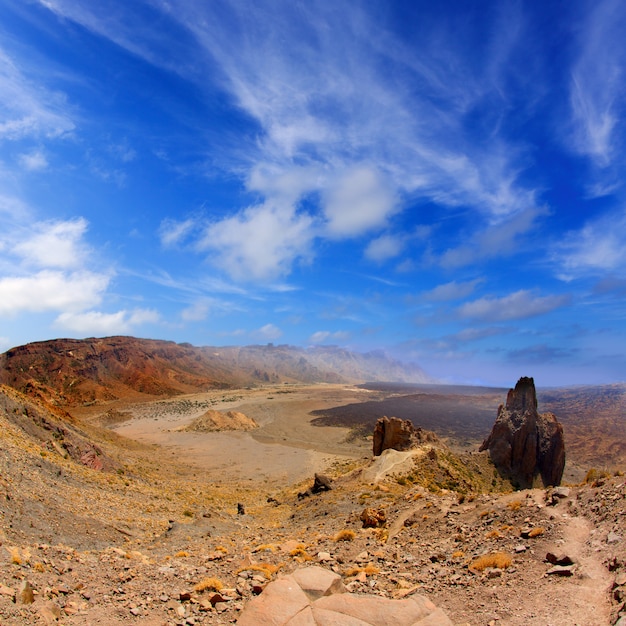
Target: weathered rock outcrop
point(397, 434)
point(525, 444)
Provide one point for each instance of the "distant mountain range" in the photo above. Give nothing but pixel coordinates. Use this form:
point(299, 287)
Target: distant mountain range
point(73, 372)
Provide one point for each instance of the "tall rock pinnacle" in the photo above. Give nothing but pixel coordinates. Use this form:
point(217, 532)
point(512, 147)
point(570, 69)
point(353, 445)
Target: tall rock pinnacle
point(525, 444)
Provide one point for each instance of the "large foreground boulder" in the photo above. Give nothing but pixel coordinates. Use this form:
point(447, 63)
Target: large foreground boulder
point(314, 596)
point(524, 444)
point(393, 433)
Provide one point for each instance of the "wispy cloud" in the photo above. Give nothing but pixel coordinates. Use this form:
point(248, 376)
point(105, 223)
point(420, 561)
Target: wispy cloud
point(269, 332)
point(519, 305)
point(33, 161)
point(597, 248)
point(502, 239)
point(332, 92)
point(452, 291)
point(325, 336)
point(27, 109)
point(597, 89)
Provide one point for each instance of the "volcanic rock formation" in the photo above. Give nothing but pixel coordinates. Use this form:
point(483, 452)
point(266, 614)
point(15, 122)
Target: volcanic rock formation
point(525, 444)
point(398, 434)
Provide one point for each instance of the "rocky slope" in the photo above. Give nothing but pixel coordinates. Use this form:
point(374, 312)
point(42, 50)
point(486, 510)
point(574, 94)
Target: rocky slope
point(70, 372)
point(154, 542)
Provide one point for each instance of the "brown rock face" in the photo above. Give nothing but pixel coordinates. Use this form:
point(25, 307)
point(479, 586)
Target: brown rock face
point(397, 434)
point(525, 444)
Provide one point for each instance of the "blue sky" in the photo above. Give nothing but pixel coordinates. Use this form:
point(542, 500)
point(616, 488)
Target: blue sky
point(441, 180)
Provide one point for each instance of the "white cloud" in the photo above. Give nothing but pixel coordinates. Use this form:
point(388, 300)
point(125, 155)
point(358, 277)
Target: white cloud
point(13, 207)
point(597, 86)
point(269, 332)
point(452, 291)
point(385, 247)
point(598, 247)
point(357, 202)
point(260, 243)
point(323, 336)
point(519, 305)
point(33, 161)
point(50, 290)
point(27, 109)
point(54, 244)
point(332, 90)
point(500, 239)
point(197, 312)
point(173, 232)
point(98, 323)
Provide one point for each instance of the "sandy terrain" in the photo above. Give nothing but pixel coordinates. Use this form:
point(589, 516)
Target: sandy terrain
point(285, 449)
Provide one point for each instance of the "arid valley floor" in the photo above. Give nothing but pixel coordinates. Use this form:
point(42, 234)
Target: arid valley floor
point(159, 539)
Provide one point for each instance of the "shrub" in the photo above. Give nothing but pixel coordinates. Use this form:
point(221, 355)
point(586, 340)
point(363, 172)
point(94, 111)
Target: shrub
point(300, 553)
point(209, 584)
point(267, 569)
point(502, 560)
point(345, 535)
point(515, 505)
point(370, 569)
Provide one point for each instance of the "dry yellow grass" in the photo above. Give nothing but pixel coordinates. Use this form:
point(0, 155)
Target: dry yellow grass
point(266, 547)
point(267, 569)
point(370, 570)
point(515, 505)
point(537, 531)
point(209, 584)
point(16, 557)
point(345, 535)
point(458, 554)
point(493, 534)
point(299, 553)
point(180, 554)
point(501, 560)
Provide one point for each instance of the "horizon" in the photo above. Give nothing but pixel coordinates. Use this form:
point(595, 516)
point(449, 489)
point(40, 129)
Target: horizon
point(443, 183)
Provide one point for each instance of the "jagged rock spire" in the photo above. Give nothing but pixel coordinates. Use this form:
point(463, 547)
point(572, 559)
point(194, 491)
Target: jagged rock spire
point(524, 444)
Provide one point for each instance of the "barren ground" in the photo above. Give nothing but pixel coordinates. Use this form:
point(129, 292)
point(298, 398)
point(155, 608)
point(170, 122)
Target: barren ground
point(137, 546)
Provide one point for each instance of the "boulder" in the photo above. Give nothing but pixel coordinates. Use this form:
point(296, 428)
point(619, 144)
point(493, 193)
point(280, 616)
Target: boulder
point(525, 444)
point(314, 596)
point(397, 434)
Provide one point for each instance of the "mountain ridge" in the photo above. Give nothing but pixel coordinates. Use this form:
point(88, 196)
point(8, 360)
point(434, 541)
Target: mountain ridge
point(79, 371)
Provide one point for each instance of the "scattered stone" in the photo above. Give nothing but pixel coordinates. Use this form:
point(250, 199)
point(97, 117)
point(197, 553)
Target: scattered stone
point(25, 593)
point(561, 570)
point(50, 613)
point(321, 483)
point(613, 537)
point(561, 559)
point(373, 518)
point(241, 509)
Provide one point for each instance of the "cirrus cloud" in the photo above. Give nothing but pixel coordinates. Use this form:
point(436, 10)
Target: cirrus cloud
point(518, 305)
